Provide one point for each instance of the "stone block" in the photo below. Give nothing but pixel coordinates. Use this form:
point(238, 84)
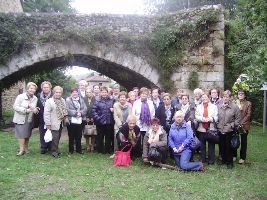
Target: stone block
point(218, 26)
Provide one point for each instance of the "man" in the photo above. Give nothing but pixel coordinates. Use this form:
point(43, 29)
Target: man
point(115, 92)
point(178, 99)
point(82, 88)
point(42, 98)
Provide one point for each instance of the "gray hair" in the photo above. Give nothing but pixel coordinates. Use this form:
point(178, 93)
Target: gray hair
point(31, 84)
point(179, 113)
point(131, 118)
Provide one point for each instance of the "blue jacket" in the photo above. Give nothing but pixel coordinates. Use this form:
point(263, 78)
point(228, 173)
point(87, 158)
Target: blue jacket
point(101, 112)
point(180, 136)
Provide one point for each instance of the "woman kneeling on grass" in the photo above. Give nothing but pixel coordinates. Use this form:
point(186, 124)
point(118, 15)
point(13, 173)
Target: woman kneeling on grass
point(155, 143)
point(180, 138)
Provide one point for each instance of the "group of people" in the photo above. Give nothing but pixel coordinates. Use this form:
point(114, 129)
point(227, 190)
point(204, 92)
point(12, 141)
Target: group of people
point(149, 123)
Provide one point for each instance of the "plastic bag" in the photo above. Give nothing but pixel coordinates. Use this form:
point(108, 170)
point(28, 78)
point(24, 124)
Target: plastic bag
point(48, 136)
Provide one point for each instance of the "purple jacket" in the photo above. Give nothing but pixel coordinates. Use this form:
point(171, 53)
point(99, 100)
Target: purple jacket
point(178, 136)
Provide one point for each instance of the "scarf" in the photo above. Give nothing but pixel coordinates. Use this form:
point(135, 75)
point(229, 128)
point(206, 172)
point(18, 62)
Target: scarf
point(76, 103)
point(240, 104)
point(132, 137)
point(43, 98)
point(125, 111)
point(145, 117)
point(205, 114)
point(184, 108)
point(60, 109)
point(168, 113)
point(153, 137)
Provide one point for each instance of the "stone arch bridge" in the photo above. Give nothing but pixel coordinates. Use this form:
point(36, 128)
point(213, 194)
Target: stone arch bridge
point(114, 45)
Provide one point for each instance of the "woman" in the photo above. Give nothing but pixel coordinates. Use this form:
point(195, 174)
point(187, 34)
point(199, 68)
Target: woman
point(131, 98)
point(155, 138)
point(76, 113)
point(229, 117)
point(215, 96)
point(122, 110)
point(45, 94)
point(206, 115)
point(197, 96)
point(245, 108)
point(55, 113)
point(89, 101)
point(180, 138)
point(166, 112)
point(102, 113)
point(144, 111)
point(187, 109)
point(24, 108)
point(128, 136)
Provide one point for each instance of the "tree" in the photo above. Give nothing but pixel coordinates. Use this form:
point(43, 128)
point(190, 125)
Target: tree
point(50, 6)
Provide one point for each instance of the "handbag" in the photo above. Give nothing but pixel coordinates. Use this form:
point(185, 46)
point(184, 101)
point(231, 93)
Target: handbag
point(48, 136)
point(154, 154)
point(90, 130)
point(195, 144)
point(213, 135)
point(123, 158)
point(76, 120)
point(235, 140)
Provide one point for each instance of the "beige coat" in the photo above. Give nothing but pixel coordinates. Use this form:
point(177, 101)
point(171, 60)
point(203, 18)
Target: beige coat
point(229, 117)
point(118, 114)
point(20, 107)
point(50, 114)
point(212, 115)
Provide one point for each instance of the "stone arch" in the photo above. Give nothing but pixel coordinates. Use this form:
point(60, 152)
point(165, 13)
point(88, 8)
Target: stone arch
point(113, 61)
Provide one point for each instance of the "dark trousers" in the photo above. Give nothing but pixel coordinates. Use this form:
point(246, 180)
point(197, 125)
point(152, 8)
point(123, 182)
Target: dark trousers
point(55, 141)
point(75, 135)
point(226, 149)
point(243, 149)
point(104, 138)
point(44, 146)
point(211, 149)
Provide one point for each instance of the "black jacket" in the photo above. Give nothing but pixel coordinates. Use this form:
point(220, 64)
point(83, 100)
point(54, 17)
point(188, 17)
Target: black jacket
point(161, 115)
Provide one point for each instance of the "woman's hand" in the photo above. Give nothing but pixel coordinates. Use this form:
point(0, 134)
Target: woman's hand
point(79, 114)
point(180, 149)
point(111, 109)
point(145, 160)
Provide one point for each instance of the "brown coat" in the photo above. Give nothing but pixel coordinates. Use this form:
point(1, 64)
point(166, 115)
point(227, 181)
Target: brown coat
point(228, 118)
point(245, 115)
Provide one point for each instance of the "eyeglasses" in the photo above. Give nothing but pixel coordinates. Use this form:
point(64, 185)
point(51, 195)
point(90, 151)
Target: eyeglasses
point(241, 93)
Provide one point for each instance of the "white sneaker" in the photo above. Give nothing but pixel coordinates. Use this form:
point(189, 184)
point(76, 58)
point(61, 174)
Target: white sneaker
point(112, 156)
point(234, 159)
point(241, 161)
point(163, 168)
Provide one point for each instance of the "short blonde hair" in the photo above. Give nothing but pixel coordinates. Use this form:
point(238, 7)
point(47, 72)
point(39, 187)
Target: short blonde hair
point(179, 113)
point(84, 82)
point(46, 82)
point(131, 118)
point(131, 93)
point(198, 91)
point(31, 84)
point(57, 87)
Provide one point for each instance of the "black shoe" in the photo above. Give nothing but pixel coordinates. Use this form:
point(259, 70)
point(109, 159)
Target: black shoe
point(210, 163)
point(230, 166)
point(43, 151)
point(55, 155)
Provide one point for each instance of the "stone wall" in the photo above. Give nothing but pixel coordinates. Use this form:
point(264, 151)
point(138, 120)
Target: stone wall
point(7, 6)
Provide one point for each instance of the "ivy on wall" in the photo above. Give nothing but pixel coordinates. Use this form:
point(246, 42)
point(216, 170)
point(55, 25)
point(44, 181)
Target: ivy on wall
point(163, 49)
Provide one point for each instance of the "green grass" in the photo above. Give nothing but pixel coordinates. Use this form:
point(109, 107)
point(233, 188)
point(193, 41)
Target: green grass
point(92, 176)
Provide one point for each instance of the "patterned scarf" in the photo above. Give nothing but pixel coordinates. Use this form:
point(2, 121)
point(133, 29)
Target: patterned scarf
point(43, 98)
point(145, 117)
point(153, 137)
point(76, 103)
point(184, 108)
point(60, 109)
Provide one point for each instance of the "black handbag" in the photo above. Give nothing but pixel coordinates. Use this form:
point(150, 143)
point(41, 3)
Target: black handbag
point(195, 144)
point(153, 154)
point(235, 140)
point(213, 135)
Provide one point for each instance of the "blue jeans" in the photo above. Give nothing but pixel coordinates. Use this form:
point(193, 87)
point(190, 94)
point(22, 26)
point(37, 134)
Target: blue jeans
point(183, 161)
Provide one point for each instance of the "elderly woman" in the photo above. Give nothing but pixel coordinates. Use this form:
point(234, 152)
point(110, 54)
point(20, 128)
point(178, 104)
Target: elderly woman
point(55, 113)
point(131, 98)
point(245, 108)
point(144, 111)
point(122, 110)
point(166, 112)
point(128, 136)
point(229, 117)
point(24, 108)
point(155, 138)
point(197, 96)
point(215, 96)
point(180, 138)
point(45, 94)
point(102, 113)
point(76, 113)
point(89, 101)
point(82, 88)
point(206, 115)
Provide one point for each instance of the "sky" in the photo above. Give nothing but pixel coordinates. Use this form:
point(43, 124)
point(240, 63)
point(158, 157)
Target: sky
point(104, 6)
point(109, 6)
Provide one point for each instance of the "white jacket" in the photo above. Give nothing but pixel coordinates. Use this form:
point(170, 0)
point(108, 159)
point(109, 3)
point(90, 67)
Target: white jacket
point(50, 114)
point(137, 111)
point(20, 107)
point(212, 115)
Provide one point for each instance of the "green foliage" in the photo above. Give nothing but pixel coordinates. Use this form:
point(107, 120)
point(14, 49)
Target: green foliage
point(193, 80)
point(49, 6)
point(170, 41)
point(246, 48)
